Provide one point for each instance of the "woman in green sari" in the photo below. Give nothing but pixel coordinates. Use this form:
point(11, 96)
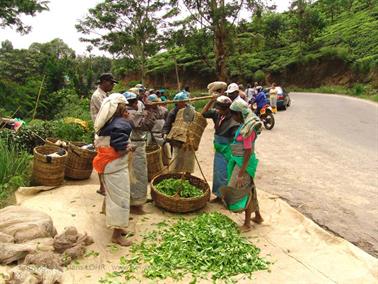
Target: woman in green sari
point(240, 194)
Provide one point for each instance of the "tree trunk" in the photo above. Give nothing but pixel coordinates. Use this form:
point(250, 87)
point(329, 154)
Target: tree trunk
point(220, 36)
point(177, 74)
point(220, 54)
point(142, 71)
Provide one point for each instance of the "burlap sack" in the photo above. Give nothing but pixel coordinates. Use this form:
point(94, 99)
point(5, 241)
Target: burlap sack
point(216, 86)
point(25, 224)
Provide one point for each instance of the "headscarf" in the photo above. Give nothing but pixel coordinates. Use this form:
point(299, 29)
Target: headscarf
point(153, 98)
point(134, 90)
point(181, 96)
point(251, 121)
point(107, 110)
point(223, 102)
point(129, 95)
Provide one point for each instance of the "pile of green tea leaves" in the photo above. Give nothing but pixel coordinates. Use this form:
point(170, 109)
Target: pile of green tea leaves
point(209, 244)
point(171, 186)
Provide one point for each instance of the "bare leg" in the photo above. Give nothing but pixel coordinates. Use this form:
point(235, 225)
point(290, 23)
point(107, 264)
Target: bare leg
point(137, 210)
point(102, 187)
point(258, 218)
point(247, 222)
point(103, 209)
point(216, 200)
point(119, 239)
point(248, 212)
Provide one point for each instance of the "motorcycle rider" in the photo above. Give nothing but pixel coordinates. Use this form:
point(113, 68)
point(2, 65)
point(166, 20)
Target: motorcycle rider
point(260, 99)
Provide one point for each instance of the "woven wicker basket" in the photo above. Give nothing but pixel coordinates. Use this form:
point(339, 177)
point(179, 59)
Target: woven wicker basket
point(195, 130)
point(79, 162)
point(52, 141)
point(176, 203)
point(188, 132)
point(154, 160)
point(48, 170)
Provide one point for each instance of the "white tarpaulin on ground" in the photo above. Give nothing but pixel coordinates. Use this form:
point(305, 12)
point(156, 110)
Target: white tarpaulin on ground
point(300, 250)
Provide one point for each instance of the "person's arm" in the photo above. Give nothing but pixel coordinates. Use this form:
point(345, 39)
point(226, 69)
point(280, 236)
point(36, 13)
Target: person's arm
point(143, 120)
point(95, 106)
point(209, 104)
point(169, 121)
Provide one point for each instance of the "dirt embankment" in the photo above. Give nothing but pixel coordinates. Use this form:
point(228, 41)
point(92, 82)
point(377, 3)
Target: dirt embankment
point(323, 71)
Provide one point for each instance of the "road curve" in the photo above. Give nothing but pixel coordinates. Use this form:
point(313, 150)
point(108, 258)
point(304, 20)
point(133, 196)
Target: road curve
point(322, 157)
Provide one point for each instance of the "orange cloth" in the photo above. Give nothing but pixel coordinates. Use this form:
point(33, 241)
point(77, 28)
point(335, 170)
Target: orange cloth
point(104, 156)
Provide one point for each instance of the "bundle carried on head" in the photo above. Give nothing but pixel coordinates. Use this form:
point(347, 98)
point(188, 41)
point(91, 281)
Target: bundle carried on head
point(217, 85)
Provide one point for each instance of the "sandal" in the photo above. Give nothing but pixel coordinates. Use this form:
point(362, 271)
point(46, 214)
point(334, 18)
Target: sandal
point(100, 192)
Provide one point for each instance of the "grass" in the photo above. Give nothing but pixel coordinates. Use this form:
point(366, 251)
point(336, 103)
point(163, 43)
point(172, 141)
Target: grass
point(15, 171)
point(358, 90)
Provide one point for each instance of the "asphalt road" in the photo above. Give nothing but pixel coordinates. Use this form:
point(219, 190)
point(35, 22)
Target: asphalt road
point(322, 157)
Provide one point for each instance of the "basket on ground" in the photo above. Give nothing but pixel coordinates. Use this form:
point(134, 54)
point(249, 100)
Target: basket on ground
point(176, 203)
point(79, 162)
point(57, 142)
point(48, 170)
point(154, 160)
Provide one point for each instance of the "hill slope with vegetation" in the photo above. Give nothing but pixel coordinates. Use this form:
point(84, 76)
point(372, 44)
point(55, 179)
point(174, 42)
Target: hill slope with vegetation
point(339, 48)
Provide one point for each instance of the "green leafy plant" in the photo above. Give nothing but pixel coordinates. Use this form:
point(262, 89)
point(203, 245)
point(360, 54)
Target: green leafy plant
point(208, 244)
point(15, 170)
point(171, 186)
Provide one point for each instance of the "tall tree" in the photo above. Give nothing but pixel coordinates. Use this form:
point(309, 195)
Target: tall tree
point(125, 28)
point(10, 12)
point(274, 26)
point(216, 16)
point(307, 22)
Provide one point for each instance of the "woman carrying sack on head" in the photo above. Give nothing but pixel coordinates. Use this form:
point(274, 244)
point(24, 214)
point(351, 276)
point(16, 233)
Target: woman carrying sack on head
point(113, 147)
point(240, 194)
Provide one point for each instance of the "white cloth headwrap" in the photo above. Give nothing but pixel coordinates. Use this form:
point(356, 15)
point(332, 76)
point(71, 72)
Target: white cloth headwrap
point(107, 110)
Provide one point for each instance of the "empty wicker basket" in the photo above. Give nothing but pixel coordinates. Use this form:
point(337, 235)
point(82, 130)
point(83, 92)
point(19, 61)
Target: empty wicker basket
point(154, 160)
point(176, 203)
point(48, 170)
point(79, 162)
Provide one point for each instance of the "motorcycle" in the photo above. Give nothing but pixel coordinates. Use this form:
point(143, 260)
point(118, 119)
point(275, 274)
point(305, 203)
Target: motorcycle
point(266, 116)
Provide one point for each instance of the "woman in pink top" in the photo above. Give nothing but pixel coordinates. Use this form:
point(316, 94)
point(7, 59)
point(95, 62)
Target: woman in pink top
point(240, 194)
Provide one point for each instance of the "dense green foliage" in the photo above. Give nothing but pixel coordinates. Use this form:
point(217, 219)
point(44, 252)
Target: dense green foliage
point(173, 186)
point(51, 69)
point(37, 131)
point(11, 12)
point(272, 42)
point(208, 244)
point(15, 170)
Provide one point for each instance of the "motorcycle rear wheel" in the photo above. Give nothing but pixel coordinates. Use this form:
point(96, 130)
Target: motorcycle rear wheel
point(269, 121)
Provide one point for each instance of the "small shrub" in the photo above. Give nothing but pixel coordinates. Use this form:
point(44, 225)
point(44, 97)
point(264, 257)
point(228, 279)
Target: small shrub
point(358, 90)
point(73, 106)
point(15, 170)
point(259, 75)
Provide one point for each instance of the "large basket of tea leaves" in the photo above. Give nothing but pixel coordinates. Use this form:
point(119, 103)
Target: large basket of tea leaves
point(177, 192)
